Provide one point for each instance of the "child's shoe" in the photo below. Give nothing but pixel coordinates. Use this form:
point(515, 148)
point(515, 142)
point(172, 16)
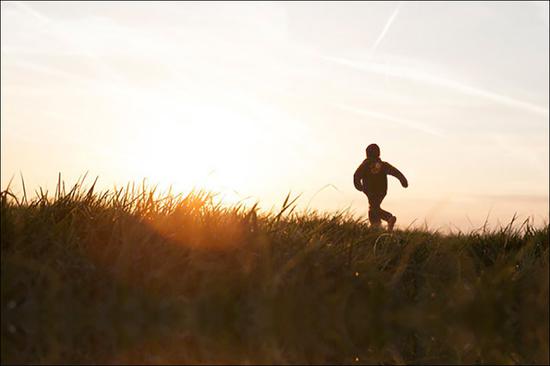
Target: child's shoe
point(391, 223)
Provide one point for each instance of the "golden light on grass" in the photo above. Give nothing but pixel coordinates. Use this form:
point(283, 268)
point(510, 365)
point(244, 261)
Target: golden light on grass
point(121, 275)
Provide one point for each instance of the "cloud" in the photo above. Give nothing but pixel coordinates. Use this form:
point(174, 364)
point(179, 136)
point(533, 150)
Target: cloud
point(405, 122)
point(523, 198)
point(27, 9)
point(427, 78)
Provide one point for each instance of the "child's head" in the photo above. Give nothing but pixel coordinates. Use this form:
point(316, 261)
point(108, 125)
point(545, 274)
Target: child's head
point(373, 151)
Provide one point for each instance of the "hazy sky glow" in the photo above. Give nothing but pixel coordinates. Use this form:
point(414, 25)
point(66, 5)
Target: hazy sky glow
point(256, 99)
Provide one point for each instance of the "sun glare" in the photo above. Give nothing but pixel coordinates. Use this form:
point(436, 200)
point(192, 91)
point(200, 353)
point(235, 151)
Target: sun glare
point(201, 145)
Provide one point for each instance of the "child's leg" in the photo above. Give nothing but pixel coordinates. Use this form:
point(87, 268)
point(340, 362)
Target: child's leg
point(374, 210)
point(389, 218)
point(374, 216)
point(376, 213)
point(385, 215)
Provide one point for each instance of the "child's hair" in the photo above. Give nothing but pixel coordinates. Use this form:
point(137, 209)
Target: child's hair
point(373, 151)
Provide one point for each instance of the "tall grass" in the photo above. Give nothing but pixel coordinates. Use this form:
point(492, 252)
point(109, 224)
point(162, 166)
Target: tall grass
point(136, 276)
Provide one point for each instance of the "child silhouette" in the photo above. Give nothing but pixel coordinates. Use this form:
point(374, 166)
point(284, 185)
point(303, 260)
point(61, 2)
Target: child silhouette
point(371, 178)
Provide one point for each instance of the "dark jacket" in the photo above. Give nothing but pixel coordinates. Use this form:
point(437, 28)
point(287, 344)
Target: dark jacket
point(372, 177)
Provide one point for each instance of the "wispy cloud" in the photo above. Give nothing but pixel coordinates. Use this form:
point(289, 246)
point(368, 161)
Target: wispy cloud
point(20, 5)
point(523, 198)
point(405, 122)
point(426, 78)
point(61, 31)
point(525, 151)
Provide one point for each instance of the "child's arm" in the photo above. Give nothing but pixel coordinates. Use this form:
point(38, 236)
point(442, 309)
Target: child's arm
point(391, 170)
point(357, 178)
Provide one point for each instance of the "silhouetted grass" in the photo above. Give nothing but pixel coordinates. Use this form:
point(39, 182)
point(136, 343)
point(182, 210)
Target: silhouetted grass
point(131, 276)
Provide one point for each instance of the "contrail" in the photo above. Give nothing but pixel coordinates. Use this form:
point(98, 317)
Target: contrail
point(63, 34)
point(29, 10)
point(405, 122)
point(386, 27)
point(418, 76)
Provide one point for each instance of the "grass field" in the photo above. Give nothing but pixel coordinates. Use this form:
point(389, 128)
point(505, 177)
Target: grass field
point(130, 276)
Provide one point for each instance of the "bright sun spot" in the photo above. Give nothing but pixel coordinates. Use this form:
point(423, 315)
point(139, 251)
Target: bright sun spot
point(210, 145)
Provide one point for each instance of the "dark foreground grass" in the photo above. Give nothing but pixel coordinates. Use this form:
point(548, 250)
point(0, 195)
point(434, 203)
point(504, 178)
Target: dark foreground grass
point(130, 277)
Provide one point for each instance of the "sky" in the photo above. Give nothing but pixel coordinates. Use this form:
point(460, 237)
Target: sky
point(253, 100)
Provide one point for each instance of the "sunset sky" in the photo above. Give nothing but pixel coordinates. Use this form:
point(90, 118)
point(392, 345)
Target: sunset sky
point(255, 99)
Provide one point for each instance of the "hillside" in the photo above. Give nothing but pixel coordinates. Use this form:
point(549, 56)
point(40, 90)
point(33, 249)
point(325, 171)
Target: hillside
point(131, 276)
